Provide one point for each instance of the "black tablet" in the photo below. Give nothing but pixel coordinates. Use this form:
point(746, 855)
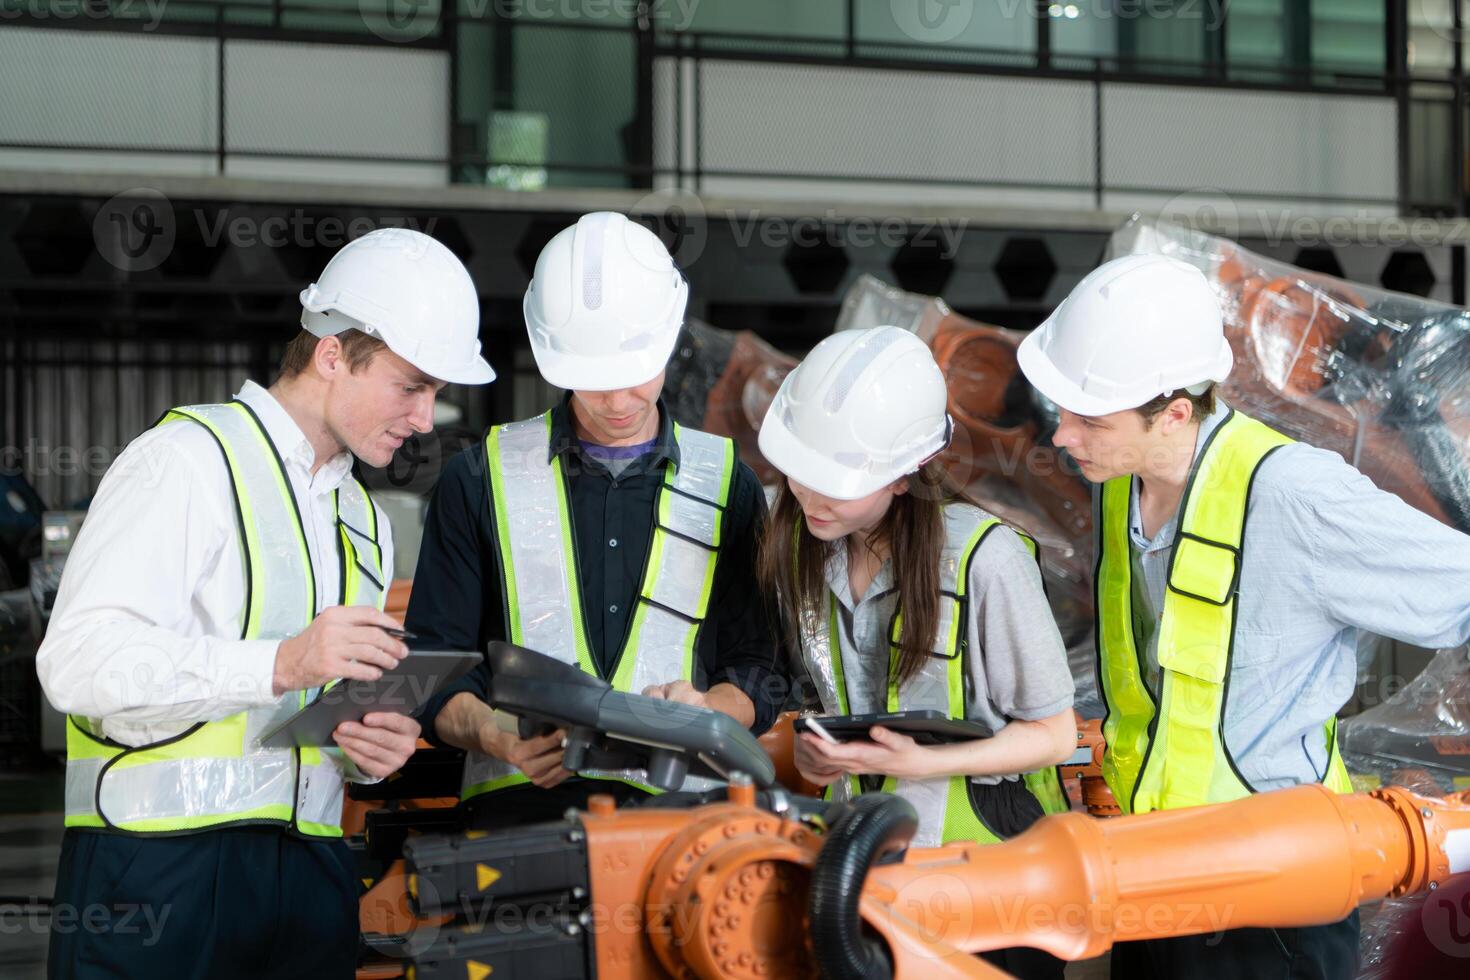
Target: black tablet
point(924, 727)
point(403, 690)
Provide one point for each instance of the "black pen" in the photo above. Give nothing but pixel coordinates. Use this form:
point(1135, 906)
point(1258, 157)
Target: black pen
point(399, 634)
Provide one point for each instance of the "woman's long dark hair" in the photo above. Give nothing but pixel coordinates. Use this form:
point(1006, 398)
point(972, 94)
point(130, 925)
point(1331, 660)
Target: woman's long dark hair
point(792, 562)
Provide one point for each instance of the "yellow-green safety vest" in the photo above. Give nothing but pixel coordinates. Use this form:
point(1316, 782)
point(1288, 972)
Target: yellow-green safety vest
point(212, 774)
point(1169, 752)
point(945, 807)
point(543, 599)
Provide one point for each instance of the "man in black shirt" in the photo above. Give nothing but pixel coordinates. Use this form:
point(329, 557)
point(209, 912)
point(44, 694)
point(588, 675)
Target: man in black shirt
point(600, 533)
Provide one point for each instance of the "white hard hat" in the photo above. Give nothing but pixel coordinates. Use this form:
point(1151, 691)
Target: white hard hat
point(1133, 329)
point(409, 291)
point(605, 305)
point(864, 408)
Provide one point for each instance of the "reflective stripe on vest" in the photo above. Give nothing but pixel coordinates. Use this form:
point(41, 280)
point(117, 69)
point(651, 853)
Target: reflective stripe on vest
point(944, 805)
point(544, 611)
point(211, 774)
point(1177, 757)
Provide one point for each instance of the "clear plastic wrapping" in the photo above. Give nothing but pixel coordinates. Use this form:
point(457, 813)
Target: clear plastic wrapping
point(1382, 378)
point(1419, 739)
point(871, 302)
point(700, 356)
point(722, 381)
point(1417, 937)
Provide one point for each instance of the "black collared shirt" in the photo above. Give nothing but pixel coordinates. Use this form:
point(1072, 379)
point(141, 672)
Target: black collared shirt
point(457, 600)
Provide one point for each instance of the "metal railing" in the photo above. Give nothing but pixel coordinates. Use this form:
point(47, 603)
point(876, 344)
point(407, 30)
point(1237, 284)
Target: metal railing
point(629, 110)
point(1410, 92)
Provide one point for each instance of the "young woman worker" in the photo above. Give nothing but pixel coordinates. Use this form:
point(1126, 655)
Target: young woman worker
point(902, 595)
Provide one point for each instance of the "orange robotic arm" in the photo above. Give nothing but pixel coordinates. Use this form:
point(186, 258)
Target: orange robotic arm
point(1073, 885)
point(760, 886)
point(724, 891)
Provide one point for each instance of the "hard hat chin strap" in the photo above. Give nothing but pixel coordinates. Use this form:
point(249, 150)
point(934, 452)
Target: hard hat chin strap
point(948, 438)
point(331, 323)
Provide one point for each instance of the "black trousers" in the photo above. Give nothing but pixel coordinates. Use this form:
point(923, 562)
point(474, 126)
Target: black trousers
point(1025, 963)
point(243, 903)
point(1315, 953)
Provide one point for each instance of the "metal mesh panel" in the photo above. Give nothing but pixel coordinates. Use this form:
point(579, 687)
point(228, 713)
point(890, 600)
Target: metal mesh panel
point(152, 103)
point(145, 91)
point(335, 100)
point(726, 122)
point(1284, 144)
point(892, 124)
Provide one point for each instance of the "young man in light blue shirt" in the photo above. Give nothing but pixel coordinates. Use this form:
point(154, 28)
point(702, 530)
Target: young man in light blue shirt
point(1224, 657)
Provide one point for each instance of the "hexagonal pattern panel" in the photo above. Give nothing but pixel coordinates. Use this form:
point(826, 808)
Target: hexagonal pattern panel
point(199, 243)
point(1319, 260)
point(55, 238)
point(922, 265)
point(1408, 271)
point(818, 268)
point(1025, 268)
point(447, 229)
point(307, 247)
point(534, 239)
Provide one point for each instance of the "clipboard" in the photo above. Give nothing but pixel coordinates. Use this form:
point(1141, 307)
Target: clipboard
point(404, 690)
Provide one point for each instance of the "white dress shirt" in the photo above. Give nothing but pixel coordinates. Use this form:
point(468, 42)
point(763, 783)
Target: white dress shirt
point(145, 630)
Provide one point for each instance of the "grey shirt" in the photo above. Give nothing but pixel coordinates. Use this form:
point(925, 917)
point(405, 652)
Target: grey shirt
point(1326, 554)
point(1016, 662)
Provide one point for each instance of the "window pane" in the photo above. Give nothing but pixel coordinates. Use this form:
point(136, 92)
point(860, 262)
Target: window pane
point(1431, 33)
point(801, 19)
point(1000, 27)
point(1174, 38)
point(1083, 28)
point(1348, 35)
point(544, 104)
point(1430, 125)
point(1257, 34)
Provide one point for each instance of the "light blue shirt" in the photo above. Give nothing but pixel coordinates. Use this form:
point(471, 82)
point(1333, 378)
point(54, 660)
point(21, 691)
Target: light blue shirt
point(1326, 555)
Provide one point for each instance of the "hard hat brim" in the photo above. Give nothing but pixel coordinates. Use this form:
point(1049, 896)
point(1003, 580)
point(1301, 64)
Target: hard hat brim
point(1046, 378)
point(475, 372)
point(794, 459)
point(604, 373)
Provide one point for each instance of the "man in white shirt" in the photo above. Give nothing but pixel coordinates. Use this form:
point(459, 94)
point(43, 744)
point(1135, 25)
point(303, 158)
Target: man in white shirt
point(229, 567)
